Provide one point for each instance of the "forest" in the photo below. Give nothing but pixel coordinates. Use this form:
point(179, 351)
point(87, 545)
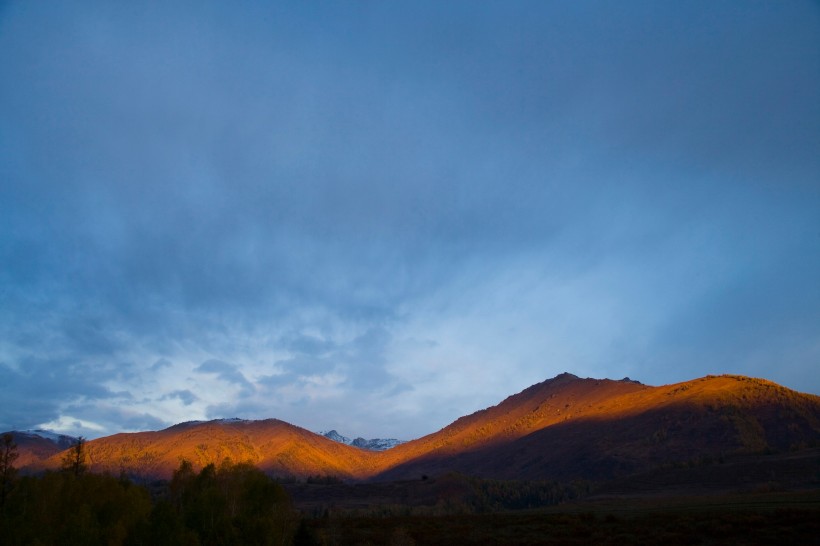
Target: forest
point(219, 505)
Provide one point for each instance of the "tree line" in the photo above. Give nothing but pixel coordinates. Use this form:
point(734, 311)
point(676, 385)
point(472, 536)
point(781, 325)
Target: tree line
point(218, 505)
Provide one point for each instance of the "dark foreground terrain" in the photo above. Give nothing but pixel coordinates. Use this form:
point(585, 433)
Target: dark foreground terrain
point(763, 518)
point(238, 504)
point(763, 499)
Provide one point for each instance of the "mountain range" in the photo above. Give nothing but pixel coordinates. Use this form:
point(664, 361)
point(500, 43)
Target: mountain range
point(564, 428)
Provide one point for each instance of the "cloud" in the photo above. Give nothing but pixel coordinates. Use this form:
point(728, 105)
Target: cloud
point(185, 396)
point(365, 213)
point(306, 344)
point(226, 372)
point(361, 359)
point(160, 364)
point(94, 420)
point(36, 390)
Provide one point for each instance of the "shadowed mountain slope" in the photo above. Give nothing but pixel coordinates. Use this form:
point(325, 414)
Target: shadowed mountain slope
point(635, 429)
point(562, 428)
point(34, 446)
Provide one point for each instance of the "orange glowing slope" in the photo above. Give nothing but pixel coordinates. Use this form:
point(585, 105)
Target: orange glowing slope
point(277, 447)
point(563, 427)
point(539, 406)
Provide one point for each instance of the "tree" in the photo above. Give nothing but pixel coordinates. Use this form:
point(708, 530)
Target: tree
point(8, 454)
point(74, 459)
point(231, 504)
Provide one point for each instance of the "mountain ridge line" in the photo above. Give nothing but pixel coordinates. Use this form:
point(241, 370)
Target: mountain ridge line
point(564, 427)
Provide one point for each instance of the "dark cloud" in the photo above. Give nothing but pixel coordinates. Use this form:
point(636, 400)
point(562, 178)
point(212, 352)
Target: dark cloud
point(109, 416)
point(226, 372)
point(378, 199)
point(361, 359)
point(36, 389)
point(186, 396)
point(160, 364)
point(306, 344)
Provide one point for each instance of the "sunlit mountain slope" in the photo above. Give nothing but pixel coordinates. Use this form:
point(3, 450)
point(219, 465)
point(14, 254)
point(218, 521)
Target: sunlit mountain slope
point(274, 446)
point(587, 428)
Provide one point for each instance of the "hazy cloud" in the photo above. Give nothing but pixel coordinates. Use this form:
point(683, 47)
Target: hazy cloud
point(186, 396)
point(160, 364)
point(227, 372)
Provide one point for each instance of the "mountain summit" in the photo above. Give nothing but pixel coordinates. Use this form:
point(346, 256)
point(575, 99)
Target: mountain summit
point(568, 427)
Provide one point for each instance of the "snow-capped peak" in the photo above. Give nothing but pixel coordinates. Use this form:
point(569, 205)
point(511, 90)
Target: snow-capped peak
point(63, 440)
point(375, 444)
point(336, 437)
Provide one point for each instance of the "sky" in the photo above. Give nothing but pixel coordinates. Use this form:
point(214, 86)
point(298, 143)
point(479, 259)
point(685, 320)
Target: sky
point(379, 216)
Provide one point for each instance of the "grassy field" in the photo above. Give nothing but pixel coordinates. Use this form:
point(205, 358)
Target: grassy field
point(768, 499)
point(752, 518)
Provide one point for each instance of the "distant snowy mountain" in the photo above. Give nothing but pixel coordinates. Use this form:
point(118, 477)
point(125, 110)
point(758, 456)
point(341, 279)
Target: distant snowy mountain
point(38, 445)
point(60, 440)
point(226, 421)
point(336, 437)
point(375, 444)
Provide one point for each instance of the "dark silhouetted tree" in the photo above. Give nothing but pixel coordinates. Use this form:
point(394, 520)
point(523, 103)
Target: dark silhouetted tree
point(229, 504)
point(305, 536)
point(59, 508)
point(8, 455)
point(74, 459)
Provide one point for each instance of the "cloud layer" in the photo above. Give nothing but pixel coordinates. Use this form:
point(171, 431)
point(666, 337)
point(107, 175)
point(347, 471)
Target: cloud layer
point(378, 217)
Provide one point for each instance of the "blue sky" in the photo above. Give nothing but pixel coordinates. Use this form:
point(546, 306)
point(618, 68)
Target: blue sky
point(380, 216)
